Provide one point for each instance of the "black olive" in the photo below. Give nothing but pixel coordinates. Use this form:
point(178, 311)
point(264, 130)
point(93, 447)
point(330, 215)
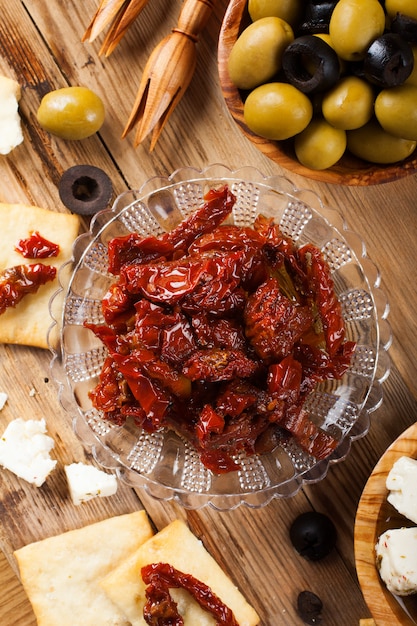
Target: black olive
point(313, 535)
point(310, 64)
point(317, 17)
point(389, 61)
point(85, 189)
point(309, 607)
point(405, 26)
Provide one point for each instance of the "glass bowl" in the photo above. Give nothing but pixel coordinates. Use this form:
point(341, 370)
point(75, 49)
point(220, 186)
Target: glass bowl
point(162, 463)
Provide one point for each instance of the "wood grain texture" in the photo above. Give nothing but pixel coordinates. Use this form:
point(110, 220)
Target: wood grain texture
point(348, 171)
point(40, 45)
point(374, 516)
point(15, 606)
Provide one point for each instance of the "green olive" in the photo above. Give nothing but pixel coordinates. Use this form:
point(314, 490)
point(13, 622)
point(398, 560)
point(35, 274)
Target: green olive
point(349, 104)
point(71, 113)
point(396, 111)
point(257, 53)
point(407, 7)
point(288, 10)
point(277, 111)
point(354, 24)
point(372, 143)
point(320, 145)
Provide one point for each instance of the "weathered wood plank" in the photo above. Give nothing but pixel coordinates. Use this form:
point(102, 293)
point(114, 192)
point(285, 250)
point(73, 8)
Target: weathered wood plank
point(40, 46)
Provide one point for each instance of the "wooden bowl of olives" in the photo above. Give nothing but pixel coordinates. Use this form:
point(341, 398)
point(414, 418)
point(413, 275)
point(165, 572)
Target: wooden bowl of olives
point(371, 155)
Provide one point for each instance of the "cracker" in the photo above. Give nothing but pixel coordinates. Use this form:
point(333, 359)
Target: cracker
point(28, 322)
point(176, 545)
point(61, 574)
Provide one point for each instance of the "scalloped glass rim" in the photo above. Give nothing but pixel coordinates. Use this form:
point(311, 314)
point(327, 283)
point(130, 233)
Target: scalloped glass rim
point(253, 487)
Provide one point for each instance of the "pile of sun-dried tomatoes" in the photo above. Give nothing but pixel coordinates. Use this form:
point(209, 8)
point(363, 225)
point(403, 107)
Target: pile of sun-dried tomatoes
point(220, 332)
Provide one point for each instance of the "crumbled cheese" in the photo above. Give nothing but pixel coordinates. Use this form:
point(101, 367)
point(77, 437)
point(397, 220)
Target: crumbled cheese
point(3, 399)
point(402, 485)
point(396, 554)
point(86, 482)
point(25, 448)
point(10, 126)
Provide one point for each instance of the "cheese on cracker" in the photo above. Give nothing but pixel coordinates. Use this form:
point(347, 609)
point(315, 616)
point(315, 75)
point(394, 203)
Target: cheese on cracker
point(177, 546)
point(28, 322)
point(10, 126)
point(61, 574)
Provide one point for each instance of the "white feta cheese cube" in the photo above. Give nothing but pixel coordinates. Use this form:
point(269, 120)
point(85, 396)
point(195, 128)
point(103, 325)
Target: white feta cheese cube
point(3, 399)
point(25, 449)
point(396, 557)
point(402, 485)
point(10, 126)
point(86, 482)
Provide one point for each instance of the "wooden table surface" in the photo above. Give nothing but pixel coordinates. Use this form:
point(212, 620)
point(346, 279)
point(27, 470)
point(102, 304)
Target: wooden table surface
point(40, 46)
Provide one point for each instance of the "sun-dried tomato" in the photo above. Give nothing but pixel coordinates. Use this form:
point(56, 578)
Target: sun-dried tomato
point(214, 332)
point(284, 379)
point(156, 369)
point(117, 306)
point(161, 610)
point(178, 342)
point(37, 247)
point(167, 281)
point(112, 392)
point(236, 397)
point(20, 280)
point(218, 292)
point(322, 287)
point(273, 322)
point(238, 434)
point(135, 249)
point(198, 283)
point(215, 365)
point(217, 206)
point(151, 395)
point(210, 422)
point(310, 437)
point(253, 269)
point(319, 366)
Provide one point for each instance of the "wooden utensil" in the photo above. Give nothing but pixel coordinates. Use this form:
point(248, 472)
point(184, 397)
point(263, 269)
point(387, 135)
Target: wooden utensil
point(120, 14)
point(168, 72)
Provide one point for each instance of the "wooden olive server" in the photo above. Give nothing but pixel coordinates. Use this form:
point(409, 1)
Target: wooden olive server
point(119, 14)
point(168, 72)
point(169, 69)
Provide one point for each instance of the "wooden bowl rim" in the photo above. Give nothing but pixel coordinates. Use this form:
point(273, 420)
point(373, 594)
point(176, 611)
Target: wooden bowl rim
point(382, 605)
point(348, 171)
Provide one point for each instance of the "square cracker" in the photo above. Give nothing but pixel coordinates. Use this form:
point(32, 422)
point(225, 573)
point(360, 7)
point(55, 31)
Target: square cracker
point(28, 322)
point(176, 545)
point(61, 574)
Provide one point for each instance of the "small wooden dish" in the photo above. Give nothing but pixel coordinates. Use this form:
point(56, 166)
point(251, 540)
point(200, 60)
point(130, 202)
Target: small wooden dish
point(348, 171)
point(373, 517)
